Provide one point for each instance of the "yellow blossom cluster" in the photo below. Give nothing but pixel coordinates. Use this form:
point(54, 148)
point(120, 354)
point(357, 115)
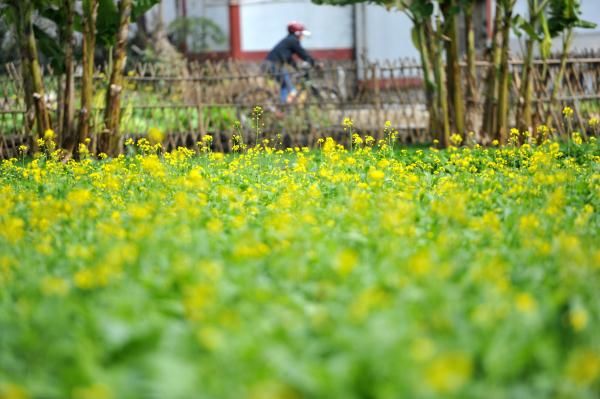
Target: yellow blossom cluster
point(373, 271)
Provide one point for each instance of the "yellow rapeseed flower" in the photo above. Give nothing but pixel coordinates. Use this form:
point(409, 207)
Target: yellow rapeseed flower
point(345, 262)
point(49, 134)
point(347, 123)
point(54, 286)
point(578, 318)
point(449, 372)
point(155, 135)
point(215, 226)
point(583, 367)
point(12, 391)
point(12, 229)
point(567, 112)
point(456, 139)
point(79, 197)
point(525, 303)
point(96, 391)
point(85, 279)
point(376, 175)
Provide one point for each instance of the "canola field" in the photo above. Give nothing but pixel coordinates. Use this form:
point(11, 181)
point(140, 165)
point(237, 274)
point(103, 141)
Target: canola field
point(369, 272)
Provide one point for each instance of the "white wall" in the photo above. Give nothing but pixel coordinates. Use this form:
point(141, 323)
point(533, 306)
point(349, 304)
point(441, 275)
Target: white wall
point(263, 24)
point(590, 10)
point(382, 34)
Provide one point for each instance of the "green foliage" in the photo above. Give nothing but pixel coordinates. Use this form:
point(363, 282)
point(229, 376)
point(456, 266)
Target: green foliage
point(199, 33)
point(566, 14)
point(219, 118)
point(108, 18)
point(421, 9)
point(8, 43)
point(107, 23)
point(415, 8)
point(54, 17)
point(535, 27)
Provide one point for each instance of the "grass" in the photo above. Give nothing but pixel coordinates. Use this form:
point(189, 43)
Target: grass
point(465, 273)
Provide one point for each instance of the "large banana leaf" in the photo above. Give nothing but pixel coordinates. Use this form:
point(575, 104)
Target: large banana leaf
point(108, 18)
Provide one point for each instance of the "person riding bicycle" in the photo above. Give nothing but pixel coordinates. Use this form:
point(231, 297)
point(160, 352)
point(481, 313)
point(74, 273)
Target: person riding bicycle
point(282, 54)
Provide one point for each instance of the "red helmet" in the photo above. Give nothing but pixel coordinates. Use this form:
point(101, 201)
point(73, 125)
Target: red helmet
point(297, 29)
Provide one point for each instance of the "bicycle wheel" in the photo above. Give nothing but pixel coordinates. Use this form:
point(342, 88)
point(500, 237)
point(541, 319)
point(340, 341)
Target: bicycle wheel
point(257, 97)
point(326, 95)
point(324, 111)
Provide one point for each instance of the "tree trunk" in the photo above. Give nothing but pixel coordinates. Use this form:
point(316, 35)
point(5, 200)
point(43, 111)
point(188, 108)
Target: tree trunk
point(109, 139)
point(442, 95)
point(90, 14)
point(41, 111)
point(491, 81)
point(568, 38)
point(68, 113)
point(453, 73)
point(424, 47)
point(436, 124)
point(25, 73)
point(503, 94)
point(31, 68)
point(472, 93)
point(524, 110)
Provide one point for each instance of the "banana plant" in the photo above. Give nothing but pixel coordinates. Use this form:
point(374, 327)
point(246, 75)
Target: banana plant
point(536, 30)
point(67, 135)
point(107, 22)
point(428, 42)
point(444, 86)
point(472, 96)
point(565, 15)
point(89, 18)
point(428, 38)
point(109, 137)
point(102, 21)
point(450, 10)
point(21, 13)
point(503, 73)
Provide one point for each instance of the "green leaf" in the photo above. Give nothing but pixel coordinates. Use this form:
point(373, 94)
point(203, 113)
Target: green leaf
point(585, 24)
point(140, 7)
point(49, 47)
point(518, 24)
point(107, 23)
point(546, 43)
point(414, 35)
point(422, 9)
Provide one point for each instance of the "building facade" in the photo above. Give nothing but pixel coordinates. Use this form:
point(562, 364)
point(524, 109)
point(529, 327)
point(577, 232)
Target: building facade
point(362, 31)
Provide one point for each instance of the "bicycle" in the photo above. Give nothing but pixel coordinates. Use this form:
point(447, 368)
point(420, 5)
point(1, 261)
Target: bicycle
point(311, 93)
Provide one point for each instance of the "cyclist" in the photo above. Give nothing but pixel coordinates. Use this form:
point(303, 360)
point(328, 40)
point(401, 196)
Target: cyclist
point(282, 54)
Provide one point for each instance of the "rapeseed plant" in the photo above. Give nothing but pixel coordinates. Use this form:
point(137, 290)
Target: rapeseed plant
point(335, 273)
